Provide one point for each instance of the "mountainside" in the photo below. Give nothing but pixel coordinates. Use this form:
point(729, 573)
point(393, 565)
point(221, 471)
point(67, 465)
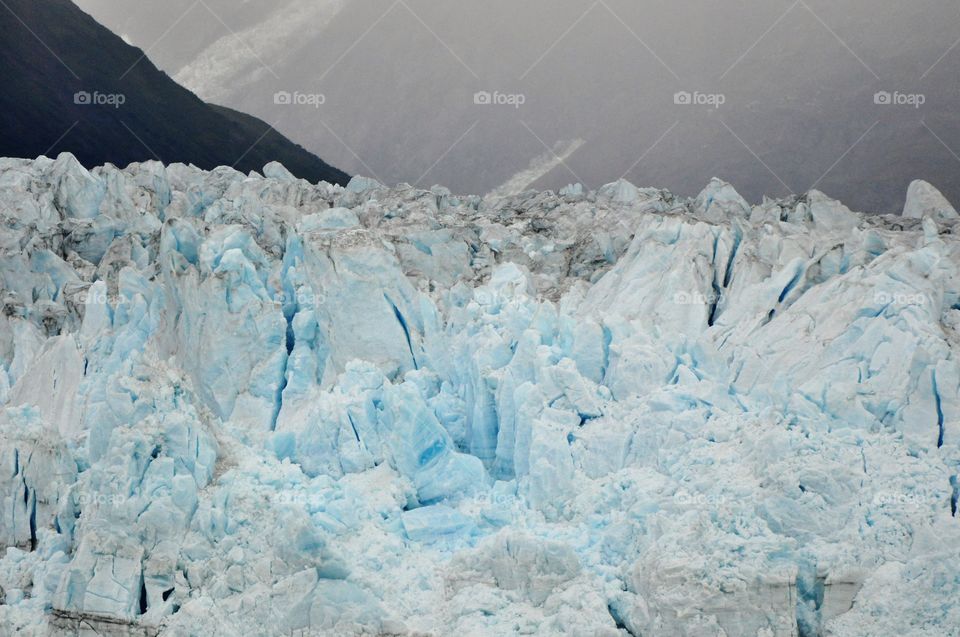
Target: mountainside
point(799, 81)
point(237, 406)
point(70, 84)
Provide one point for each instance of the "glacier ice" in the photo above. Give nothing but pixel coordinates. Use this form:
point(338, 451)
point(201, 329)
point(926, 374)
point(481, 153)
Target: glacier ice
point(249, 405)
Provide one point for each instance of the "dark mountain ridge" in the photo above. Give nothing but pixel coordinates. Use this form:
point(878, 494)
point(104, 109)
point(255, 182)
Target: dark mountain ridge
point(72, 85)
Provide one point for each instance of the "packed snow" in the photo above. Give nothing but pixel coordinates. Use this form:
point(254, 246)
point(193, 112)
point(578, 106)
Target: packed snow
point(238, 405)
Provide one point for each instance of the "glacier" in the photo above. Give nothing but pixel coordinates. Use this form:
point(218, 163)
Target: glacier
point(251, 405)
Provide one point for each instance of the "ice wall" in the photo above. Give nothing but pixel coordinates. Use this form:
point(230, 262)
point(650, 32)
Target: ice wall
point(235, 403)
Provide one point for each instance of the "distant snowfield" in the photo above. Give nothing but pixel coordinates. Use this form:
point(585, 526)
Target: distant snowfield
point(249, 405)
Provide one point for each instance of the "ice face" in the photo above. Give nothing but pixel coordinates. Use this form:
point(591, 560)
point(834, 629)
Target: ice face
point(924, 199)
point(237, 403)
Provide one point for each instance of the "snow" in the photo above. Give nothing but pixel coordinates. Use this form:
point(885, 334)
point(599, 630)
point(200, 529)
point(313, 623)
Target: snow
point(924, 199)
point(250, 405)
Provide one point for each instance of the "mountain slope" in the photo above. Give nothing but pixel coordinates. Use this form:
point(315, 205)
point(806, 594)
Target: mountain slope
point(400, 80)
point(55, 57)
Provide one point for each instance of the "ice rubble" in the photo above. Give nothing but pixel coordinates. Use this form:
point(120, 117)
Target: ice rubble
point(249, 405)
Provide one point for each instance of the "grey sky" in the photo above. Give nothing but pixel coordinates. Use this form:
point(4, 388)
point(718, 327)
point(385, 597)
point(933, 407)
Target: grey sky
point(798, 82)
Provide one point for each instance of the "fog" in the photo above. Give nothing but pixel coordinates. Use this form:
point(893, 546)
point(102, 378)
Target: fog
point(855, 98)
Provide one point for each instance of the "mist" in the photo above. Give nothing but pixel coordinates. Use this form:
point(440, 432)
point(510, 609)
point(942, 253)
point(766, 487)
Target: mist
point(846, 98)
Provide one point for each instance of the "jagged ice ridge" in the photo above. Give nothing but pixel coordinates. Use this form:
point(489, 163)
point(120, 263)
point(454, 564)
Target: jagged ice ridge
point(249, 405)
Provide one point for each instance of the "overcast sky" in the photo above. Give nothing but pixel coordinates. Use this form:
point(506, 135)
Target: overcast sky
point(783, 96)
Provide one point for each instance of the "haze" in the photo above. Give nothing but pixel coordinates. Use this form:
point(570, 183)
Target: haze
point(791, 94)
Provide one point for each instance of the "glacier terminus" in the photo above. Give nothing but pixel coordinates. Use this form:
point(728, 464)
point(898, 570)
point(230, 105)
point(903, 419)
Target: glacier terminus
point(248, 405)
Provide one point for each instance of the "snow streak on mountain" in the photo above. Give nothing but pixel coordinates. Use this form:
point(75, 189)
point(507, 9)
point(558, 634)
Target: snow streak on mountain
point(72, 85)
point(248, 405)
